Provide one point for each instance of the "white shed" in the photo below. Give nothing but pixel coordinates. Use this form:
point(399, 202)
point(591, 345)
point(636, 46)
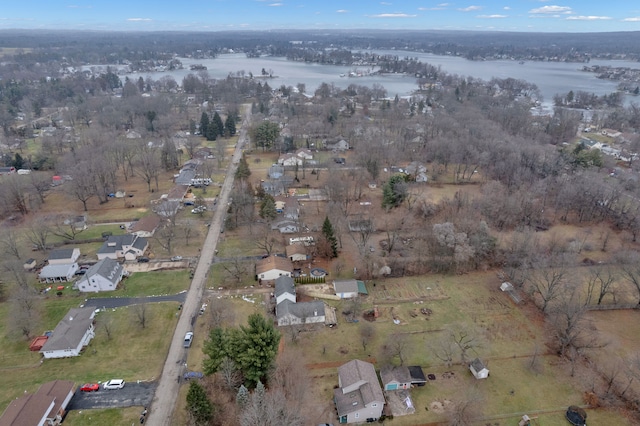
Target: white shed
point(478, 369)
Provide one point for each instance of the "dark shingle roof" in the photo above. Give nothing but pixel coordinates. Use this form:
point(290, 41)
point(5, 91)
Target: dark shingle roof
point(284, 285)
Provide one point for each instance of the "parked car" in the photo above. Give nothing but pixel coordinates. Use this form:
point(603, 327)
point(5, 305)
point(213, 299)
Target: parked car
point(176, 258)
point(199, 209)
point(90, 387)
point(114, 384)
point(193, 375)
point(143, 260)
point(188, 338)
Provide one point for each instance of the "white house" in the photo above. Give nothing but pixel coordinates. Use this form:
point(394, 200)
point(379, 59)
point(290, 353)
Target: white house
point(72, 333)
point(296, 252)
point(478, 369)
point(272, 267)
point(58, 273)
point(359, 396)
point(129, 247)
point(305, 154)
point(290, 159)
point(103, 276)
point(63, 256)
point(286, 227)
point(284, 289)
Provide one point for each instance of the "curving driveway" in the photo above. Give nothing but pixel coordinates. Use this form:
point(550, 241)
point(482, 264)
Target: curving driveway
point(119, 302)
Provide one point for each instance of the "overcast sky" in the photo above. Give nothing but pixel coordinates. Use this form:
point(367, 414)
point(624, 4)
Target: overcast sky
point(219, 15)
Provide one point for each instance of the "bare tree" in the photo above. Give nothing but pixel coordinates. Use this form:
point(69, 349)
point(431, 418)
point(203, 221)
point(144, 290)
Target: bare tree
point(82, 186)
point(465, 340)
point(141, 313)
point(25, 310)
point(230, 374)
point(10, 243)
point(546, 283)
point(600, 283)
point(38, 234)
point(396, 346)
point(148, 164)
point(630, 270)
point(236, 268)
point(367, 333)
point(443, 348)
point(166, 235)
point(221, 313)
point(465, 411)
point(189, 230)
point(64, 225)
point(264, 239)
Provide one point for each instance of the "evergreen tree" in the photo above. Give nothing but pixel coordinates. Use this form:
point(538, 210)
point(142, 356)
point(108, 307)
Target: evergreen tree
point(328, 233)
point(242, 397)
point(394, 191)
point(198, 405)
point(230, 125)
point(217, 121)
point(204, 124)
point(268, 207)
point(243, 172)
point(214, 350)
point(254, 347)
point(212, 131)
point(260, 392)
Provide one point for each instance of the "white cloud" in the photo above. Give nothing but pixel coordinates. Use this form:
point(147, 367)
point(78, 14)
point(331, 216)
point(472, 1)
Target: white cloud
point(432, 8)
point(634, 19)
point(75, 6)
point(469, 8)
point(392, 15)
point(491, 16)
point(588, 18)
point(276, 4)
point(342, 11)
point(551, 9)
point(384, 3)
point(506, 8)
point(139, 19)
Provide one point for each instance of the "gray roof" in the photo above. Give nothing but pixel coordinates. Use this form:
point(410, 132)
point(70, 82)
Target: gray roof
point(61, 254)
point(284, 285)
point(369, 391)
point(391, 373)
point(107, 268)
point(185, 177)
point(345, 286)
point(478, 365)
point(140, 243)
point(115, 243)
point(302, 310)
point(70, 330)
point(58, 271)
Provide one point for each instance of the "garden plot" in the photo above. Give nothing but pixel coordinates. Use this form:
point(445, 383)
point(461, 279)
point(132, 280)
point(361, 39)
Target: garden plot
point(401, 290)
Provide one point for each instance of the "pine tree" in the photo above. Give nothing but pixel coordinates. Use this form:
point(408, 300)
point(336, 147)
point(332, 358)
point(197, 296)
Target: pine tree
point(198, 405)
point(268, 207)
point(214, 350)
point(242, 397)
point(243, 172)
point(218, 124)
point(230, 125)
point(204, 124)
point(329, 235)
point(212, 131)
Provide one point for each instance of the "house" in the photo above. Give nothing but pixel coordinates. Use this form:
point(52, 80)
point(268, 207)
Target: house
point(146, 226)
point(305, 154)
point(284, 289)
point(275, 187)
point(415, 168)
point(272, 267)
point(394, 378)
point(289, 312)
point(359, 396)
point(340, 145)
point(286, 227)
point(129, 247)
point(47, 406)
point(103, 276)
point(478, 369)
point(58, 273)
point(276, 171)
point(290, 159)
point(79, 223)
point(296, 252)
point(63, 256)
point(348, 289)
point(72, 333)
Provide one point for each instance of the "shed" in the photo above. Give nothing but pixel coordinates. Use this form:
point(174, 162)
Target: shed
point(417, 375)
point(395, 378)
point(29, 264)
point(478, 369)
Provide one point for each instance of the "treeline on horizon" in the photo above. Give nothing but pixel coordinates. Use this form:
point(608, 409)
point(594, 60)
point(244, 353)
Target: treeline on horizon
point(107, 47)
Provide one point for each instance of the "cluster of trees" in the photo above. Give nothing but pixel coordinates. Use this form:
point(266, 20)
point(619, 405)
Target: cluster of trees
point(212, 127)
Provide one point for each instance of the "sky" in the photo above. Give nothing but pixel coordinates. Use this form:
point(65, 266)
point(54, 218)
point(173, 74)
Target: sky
point(229, 15)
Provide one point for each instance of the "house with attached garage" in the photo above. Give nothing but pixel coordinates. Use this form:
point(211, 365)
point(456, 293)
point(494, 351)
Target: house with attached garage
point(272, 267)
point(72, 333)
point(47, 406)
point(291, 312)
point(129, 247)
point(103, 276)
point(146, 226)
point(359, 397)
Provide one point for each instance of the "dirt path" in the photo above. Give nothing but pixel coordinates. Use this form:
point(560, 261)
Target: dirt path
point(164, 401)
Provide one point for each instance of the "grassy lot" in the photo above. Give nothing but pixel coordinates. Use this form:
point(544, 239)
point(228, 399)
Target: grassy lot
point(111, 416)
point(132, 352)
point(153, 283)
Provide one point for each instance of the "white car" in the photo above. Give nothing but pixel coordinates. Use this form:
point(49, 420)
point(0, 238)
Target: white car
point(113, 384)
point(176, 258)
point(199, 209)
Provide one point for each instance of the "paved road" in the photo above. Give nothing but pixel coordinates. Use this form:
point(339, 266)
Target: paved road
point(119, 302)
point(164, 401)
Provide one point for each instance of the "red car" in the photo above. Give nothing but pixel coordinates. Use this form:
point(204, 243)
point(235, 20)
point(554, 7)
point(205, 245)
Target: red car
point(90, 387)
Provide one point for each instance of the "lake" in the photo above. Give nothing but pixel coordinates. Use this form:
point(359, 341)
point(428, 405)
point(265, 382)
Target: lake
point(550, 77)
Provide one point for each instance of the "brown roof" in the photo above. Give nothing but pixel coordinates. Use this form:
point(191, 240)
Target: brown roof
point(296, 248)
point(31, 409)
point(177, 192)
point(273, 262)
point(146, 224)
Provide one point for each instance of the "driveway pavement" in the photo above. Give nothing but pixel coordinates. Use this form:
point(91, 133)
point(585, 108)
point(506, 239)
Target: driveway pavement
point(132, 394)
point(119, 302)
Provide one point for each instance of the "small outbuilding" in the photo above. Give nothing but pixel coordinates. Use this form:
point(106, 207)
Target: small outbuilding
point(478, 369)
